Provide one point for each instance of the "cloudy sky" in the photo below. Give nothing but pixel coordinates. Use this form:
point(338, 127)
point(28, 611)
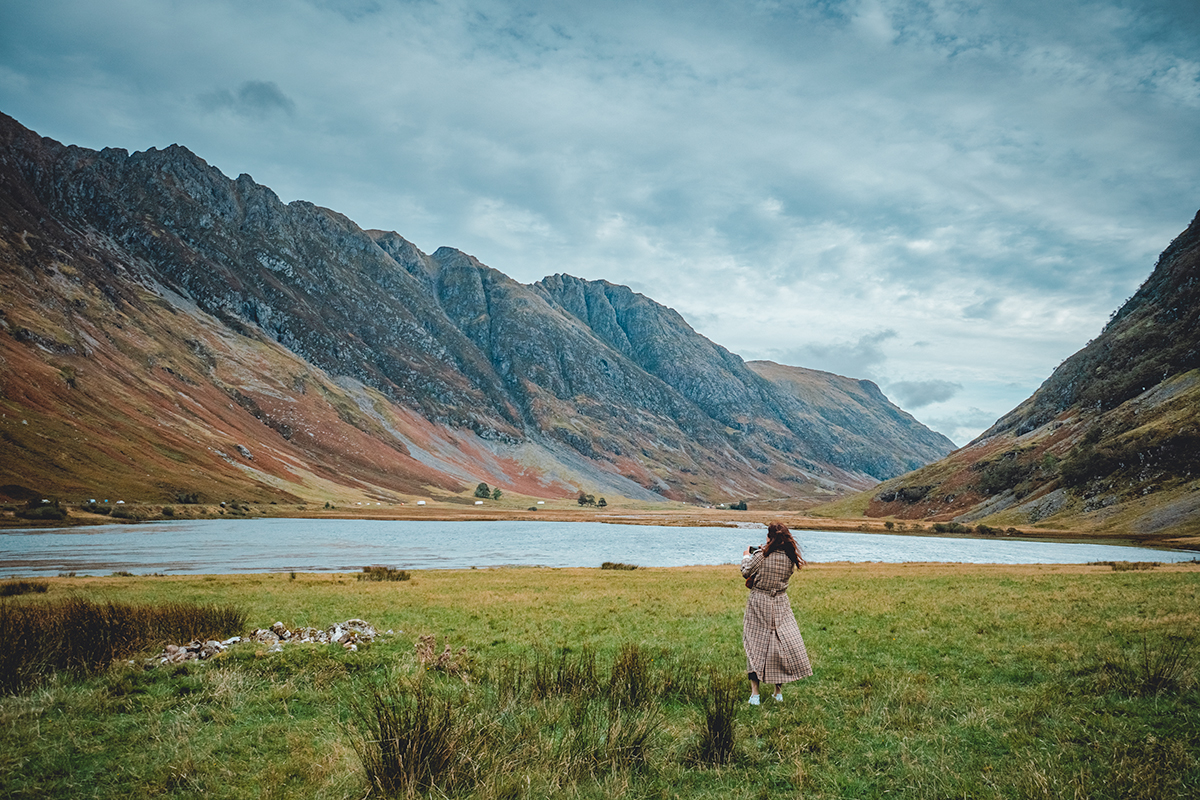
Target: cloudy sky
point(948, 198)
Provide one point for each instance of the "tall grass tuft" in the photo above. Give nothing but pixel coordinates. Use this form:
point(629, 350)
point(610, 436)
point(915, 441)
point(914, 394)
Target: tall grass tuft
point(83, 636)
point(720, 705)
point(416, 742)
point(631, 685)
point(1126, 566)
point(379, 573)
point(594, 740)
point(11, 588)
point(679, 676)
point(570, 674)
point(628, 681)
point(1152, 668)
point(1164, 668)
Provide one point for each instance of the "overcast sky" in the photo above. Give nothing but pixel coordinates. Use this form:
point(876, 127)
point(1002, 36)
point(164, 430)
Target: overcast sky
point(948, 198)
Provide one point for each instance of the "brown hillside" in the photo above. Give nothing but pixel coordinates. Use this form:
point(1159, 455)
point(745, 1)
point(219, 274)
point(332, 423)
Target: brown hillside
point(1110, 442)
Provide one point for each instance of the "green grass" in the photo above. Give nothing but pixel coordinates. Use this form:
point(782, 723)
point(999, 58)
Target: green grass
point(943, 681)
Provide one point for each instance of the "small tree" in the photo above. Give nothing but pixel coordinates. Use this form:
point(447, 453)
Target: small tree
point(602, 502)
point(496, 493)
point(482, 491)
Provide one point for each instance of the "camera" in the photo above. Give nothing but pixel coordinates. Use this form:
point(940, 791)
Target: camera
point(754, 549)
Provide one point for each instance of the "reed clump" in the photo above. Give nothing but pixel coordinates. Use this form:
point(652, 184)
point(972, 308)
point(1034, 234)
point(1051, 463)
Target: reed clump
point(13, 588)
point(1166, 665)
point(84, 636)
point(556, 718)
point(569, 673)
point(380, 573)
point(630, 685)
point(719, 705)
point(414, 741)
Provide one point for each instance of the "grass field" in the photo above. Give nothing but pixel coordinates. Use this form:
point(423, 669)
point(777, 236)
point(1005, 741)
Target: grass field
point(931, 681)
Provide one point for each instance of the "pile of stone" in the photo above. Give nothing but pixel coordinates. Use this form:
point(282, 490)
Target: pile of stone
point(195, 650)
point(349, 634)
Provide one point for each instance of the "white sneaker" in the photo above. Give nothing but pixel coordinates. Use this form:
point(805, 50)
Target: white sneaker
point(754, 700)
point(778, 698)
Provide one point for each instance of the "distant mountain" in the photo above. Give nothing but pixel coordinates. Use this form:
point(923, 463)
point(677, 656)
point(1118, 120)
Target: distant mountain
point(853, 418)
point(1111, 441)
point(165, 330)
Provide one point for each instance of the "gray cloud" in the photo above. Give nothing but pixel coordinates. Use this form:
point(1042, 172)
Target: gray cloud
point(963, 426)
point(255, 98)
point(918, 394)
point(792, 177)
point(858, 358)
point(984, 309)
point(352, 10)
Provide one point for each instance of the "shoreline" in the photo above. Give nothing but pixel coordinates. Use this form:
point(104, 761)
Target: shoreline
point(670, 517)
point(750, 522)
point(876, 568)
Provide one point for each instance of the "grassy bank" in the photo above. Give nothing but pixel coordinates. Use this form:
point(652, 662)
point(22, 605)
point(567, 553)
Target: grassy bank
point(931, 681)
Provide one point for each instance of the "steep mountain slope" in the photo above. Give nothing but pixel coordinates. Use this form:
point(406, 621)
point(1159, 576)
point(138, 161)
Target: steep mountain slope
point(855, 417)
point(160, 315)
point(1111, 440)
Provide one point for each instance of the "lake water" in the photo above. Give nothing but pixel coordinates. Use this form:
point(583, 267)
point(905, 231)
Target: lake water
point(303, 545)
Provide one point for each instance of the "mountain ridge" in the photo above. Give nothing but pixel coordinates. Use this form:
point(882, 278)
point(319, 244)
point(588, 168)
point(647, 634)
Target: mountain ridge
point(452, 370)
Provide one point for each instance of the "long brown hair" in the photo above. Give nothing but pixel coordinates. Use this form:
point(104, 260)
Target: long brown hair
point(780, 538)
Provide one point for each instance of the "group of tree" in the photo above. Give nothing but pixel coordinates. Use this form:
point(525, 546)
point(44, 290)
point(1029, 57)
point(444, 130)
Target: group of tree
point(482, 491)
point(589, 500)
point(42, 509)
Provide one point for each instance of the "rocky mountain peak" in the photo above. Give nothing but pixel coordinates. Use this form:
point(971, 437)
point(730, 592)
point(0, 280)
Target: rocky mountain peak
point(453, 371)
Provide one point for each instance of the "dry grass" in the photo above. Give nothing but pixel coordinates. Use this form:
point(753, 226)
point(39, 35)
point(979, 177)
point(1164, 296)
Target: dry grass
point(379, 573)
point(82, 636)
point(13, 588)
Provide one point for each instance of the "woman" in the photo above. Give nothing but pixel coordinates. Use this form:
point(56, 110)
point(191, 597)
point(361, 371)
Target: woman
point(774, 648)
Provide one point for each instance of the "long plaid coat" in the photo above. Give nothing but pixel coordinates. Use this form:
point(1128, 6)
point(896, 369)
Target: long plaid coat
point(774, 647)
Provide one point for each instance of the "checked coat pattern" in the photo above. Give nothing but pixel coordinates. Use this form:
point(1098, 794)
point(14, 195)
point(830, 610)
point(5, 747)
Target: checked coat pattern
point(774, 647)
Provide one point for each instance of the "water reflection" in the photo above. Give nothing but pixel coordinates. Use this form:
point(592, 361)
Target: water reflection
point(280, 545)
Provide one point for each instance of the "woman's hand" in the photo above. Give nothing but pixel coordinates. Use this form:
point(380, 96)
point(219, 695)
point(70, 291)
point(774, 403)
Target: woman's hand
point(746, 552)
